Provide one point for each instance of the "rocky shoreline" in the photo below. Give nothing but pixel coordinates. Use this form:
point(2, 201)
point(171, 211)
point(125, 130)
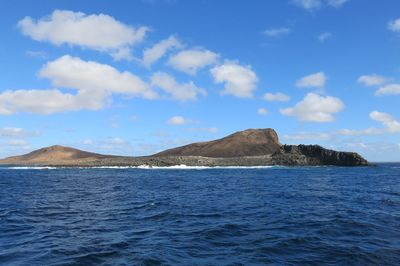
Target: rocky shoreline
point(252, 147)
point(291, 155)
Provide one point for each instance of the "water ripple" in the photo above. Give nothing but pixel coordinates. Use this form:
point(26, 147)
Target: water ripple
point(279, 216)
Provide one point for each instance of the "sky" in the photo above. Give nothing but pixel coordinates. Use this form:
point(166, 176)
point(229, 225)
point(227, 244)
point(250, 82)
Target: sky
point(137, 77)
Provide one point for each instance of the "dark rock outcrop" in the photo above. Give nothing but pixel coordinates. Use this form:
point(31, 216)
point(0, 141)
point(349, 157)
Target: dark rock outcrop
point(316, 155)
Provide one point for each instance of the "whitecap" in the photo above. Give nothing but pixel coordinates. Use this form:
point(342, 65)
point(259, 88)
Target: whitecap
point(31, 167)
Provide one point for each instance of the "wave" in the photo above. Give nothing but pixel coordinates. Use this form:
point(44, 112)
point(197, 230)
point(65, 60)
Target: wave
point(30, 167)
point(147, 167)
point(183, 166)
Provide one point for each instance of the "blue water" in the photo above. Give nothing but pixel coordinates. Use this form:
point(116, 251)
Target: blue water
point(290, 216)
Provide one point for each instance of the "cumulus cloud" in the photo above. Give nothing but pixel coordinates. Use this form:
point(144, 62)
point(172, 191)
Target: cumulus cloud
point(394, 25)
point(151, 55)
point(72, 72)
point(240, 81)
point(98, 32)
point(390, 89)
point(391, 125)
point(323, 37)
point(275, 32)
point(316, 80)
point(372, 80)
point(276, 97)
point(178, 91)
point(315, 108)
point(262, 111)
point(190, 61)
point(178, 120)
point(94, 83)
point(48, 101)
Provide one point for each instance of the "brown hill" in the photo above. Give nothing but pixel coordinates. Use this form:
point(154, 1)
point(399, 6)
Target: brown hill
point(250, 142)
point(53, 154)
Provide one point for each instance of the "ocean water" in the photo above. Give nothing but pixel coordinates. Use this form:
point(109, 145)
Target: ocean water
point(203, 216)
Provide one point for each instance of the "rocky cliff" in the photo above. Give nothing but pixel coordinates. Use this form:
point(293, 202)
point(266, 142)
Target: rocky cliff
point(316, 155)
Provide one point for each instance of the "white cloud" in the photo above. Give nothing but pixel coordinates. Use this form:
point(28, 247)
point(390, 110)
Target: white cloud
point(240, 81)
point(133, 118)
point(308, 136)
point(276, 97)
point(275, 32)
point(375, 151)
point(316, 80)
point(390, 89)
point(111, 145)
point(262, 111)
point(178, 120)
point(38, 54)
point(323, 37)
point(114, 145)
point(123, 53)
point(11, 132)
point(94, 82)
point(312, 5)
point(17, 142)
point(372, 80)
point(211, 130)
point(72, 72)
point(98, 32)
point(88, 142)
point(394, 25)
point(190, 61)
point(181, 92)
point(151, 55)
point(48, 101)
point(315, 108)
point(359, 132)
point(309, 5)
point(392, 125)
point(116, 141)
point(336, 3)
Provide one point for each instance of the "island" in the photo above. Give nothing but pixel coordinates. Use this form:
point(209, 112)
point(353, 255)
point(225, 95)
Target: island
point(251, 147)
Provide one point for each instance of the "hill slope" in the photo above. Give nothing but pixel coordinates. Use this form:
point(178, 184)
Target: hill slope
point(54, 154)
point(250, 142)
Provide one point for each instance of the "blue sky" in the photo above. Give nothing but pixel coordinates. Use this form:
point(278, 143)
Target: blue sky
point(136, 77)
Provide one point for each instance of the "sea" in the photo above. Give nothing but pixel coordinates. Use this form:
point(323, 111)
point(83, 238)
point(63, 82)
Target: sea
point(200, 216)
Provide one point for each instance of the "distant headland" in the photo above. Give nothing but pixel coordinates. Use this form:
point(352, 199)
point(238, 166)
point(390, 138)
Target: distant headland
point(251, 147)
